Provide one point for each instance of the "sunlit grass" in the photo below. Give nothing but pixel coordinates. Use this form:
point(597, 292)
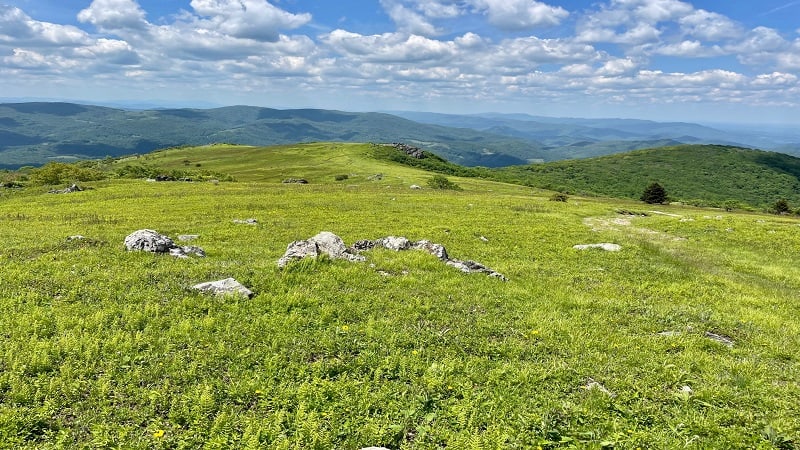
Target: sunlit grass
point(104, 348)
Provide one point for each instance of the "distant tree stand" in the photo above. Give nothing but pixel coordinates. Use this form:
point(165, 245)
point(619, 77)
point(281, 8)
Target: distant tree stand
point(654, 194)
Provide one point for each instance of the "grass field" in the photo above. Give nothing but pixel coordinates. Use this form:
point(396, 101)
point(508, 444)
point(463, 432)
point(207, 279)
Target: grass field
point(579, 349)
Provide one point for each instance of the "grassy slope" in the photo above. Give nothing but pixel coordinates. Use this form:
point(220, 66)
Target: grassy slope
point(708, 172)
point(108, 348)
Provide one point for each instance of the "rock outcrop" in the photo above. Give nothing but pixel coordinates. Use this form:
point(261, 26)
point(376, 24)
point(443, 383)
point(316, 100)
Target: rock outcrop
point(323, 243)
point(333, 246)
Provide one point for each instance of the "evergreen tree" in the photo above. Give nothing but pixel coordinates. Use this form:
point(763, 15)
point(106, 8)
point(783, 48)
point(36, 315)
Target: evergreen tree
point(654, 193)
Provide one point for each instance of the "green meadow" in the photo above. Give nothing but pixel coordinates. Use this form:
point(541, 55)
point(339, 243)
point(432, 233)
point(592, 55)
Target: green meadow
point(686, 338)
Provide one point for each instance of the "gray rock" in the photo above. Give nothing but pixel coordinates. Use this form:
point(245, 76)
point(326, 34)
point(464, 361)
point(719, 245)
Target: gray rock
point(474, 267)
point(722, 339)
point(330, 244)
point(148, 241)
point(228, 286)
point(185, 252)
point(395, 243)
point(76, 237)
point(415, 187)
point(246, 221)
point(67, 190)
point(298, 250)
point(362, 245)
point(188, 237)
point(295, 181)
point(602, 246)
point(436, 250)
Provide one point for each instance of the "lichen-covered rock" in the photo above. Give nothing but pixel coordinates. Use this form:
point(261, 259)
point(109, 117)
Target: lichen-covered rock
point(396, 243)
point(298, 250)
point(325, 243)
point(474, 267)
point(330, 244)
point(436, 250)
point(362, 245)
point(185, 252)
point(148, 241)
point(228, 286)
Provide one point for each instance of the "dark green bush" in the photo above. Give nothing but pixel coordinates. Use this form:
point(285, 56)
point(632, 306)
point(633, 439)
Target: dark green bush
point(441, 182)
point(654, 193)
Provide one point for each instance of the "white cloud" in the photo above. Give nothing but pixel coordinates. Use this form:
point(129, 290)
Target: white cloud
point(249, 19)
point(408, 20)
point(17, 28)
point(236, 47)
point(114, 15)
point(389, 47)
point(520, 14)
point(710, 26)
point(616, 67)
point(688, 49)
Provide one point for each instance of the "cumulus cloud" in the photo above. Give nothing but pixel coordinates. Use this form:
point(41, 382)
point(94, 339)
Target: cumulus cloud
point(409, 20)
point(520, 14)
point(250, 19)
point(254, 46)
point(19, 28)
point(113, 15)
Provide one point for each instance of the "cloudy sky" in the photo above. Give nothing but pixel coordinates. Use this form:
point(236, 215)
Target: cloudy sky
point(698, 60)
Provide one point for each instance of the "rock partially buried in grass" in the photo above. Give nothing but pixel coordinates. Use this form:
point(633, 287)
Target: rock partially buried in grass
point(155, 242)
point(67, 190)
point(246, 221)
point(602, 246)
point(148, 241)
point(226, 287)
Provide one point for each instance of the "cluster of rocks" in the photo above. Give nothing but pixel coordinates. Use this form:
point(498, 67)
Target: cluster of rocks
point(67, 190)
point(155, 242)
point(334, 247)
point(414, 152)
point(295, 181)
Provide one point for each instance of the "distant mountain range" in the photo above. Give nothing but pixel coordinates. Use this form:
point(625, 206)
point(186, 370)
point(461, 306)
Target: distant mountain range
point(582, 138)
point(33, 133)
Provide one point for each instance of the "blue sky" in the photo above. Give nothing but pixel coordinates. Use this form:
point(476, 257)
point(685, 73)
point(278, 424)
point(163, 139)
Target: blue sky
point(701, 60)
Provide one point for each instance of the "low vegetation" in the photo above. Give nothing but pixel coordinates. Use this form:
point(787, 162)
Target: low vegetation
point(685, 338)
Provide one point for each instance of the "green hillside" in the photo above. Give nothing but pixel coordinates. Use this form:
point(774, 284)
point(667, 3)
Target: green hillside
point(684, 337)
point(35, 133)
point(712, 174)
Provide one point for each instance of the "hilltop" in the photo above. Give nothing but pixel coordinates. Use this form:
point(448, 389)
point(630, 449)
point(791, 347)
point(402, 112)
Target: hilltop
point(611, 331)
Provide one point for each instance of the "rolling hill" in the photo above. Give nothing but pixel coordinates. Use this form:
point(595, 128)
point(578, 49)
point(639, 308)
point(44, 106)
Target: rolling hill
point(706, 174)
point(34, 133)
